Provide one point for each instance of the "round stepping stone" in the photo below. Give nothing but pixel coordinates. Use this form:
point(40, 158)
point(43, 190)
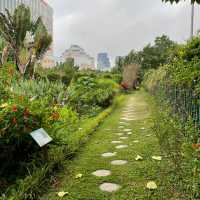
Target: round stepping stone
point(123, 138)
point(109, 154)
point(119, 162)
point(121, 146)
point(109, 187)
point(116, 142)
point(120, 134)
point(136, 141)
point(127, 130)
point(129, 133)
point(102, 173)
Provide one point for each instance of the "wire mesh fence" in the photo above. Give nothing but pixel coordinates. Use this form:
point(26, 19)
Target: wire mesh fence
point(184, 102)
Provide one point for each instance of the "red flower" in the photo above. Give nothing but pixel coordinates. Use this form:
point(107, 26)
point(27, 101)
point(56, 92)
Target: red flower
point(124, 85)
point(14, 120)
point(196, 146)
point(14, 108)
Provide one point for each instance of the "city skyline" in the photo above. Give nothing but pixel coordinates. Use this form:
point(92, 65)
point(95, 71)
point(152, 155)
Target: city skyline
point(116, 26)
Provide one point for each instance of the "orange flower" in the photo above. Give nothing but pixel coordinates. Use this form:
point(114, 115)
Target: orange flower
point(55, 116)
point(14, 120)
point(14, 108)
point(196, 146)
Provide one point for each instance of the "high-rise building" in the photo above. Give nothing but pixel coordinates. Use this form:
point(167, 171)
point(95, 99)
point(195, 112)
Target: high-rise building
point(103, 62)
point(81, 58)
point(39, 8)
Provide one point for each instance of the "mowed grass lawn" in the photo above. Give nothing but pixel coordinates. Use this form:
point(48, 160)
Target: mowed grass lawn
point(133, 176)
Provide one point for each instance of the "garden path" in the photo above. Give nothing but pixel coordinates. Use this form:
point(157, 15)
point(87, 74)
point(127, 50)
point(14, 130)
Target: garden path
point(116, 163)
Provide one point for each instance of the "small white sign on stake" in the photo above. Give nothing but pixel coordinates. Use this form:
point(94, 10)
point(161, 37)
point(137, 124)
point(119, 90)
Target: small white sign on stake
point(41, 137)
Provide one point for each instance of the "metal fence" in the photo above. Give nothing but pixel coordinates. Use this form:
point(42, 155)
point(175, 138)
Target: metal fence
point(184, 101)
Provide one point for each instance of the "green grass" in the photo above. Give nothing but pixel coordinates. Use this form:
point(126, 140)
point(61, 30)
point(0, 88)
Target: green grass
point(132, 177)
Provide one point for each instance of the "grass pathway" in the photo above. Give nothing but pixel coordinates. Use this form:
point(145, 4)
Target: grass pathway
point(130, 175)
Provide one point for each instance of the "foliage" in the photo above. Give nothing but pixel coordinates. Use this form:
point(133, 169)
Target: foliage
point(177, 1)
point(49, 92)
point(175, 86)
point(63, 72)
point(18, 30)
point(88, 95)
point(34, 184)
point(178, 144)
point(150, 57)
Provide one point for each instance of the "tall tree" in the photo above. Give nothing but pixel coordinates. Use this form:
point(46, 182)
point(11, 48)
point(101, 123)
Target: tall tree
point(27, 39)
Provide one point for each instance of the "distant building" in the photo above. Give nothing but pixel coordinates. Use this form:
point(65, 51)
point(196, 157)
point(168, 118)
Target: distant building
point(81, 58)
point(103, 62)
point(39, 8)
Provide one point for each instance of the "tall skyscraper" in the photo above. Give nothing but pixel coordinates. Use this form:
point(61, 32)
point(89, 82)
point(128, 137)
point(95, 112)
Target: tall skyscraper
point(103, 62)
point(81, 58)
point(39, 8)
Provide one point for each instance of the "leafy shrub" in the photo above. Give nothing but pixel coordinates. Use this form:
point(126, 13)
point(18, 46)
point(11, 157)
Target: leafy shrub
point(16, 145)
point(87, 94)
point(52, 92)
point(179, 145)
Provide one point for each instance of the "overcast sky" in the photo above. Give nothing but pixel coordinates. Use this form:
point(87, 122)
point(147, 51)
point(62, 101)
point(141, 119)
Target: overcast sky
point(117, 26)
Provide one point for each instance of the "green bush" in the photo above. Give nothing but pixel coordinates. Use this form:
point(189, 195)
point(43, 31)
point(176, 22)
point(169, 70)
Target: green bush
point(52, 92)
point(176, 88)
point(88, 95)
point(178, 144)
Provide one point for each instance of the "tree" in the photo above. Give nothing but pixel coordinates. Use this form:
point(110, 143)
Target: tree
point(28, 40)
point(177, 1)
point(152, 56)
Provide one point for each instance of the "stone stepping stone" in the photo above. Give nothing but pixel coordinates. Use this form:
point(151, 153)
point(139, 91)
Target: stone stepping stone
point(121, 146)
point(127, 130)
point(123, 138)
point(120, 134)
point(109, 187)
point(119, 162)
point(108, 154)
point(136, 141)
point(128, 119)
point(129, 133)
point(116, 142)
point(102, 173)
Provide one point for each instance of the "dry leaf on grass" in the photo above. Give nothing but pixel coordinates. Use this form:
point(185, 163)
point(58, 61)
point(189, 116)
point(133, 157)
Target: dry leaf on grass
point(157, 158)
point(151, 185)
point(79, 176)
point(62, 194)
point(138, 157)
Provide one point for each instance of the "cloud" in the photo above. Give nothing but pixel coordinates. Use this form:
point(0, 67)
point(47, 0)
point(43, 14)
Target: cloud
point(117, 26)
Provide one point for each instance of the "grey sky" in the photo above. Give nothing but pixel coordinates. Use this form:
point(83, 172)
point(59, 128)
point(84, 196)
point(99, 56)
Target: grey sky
point(117, 26)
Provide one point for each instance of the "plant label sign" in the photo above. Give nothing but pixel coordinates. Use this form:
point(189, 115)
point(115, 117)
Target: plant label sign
point(41, 137)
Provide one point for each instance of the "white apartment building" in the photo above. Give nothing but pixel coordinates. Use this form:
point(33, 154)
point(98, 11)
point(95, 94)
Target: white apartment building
point(81, 58)
point(39, 8)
